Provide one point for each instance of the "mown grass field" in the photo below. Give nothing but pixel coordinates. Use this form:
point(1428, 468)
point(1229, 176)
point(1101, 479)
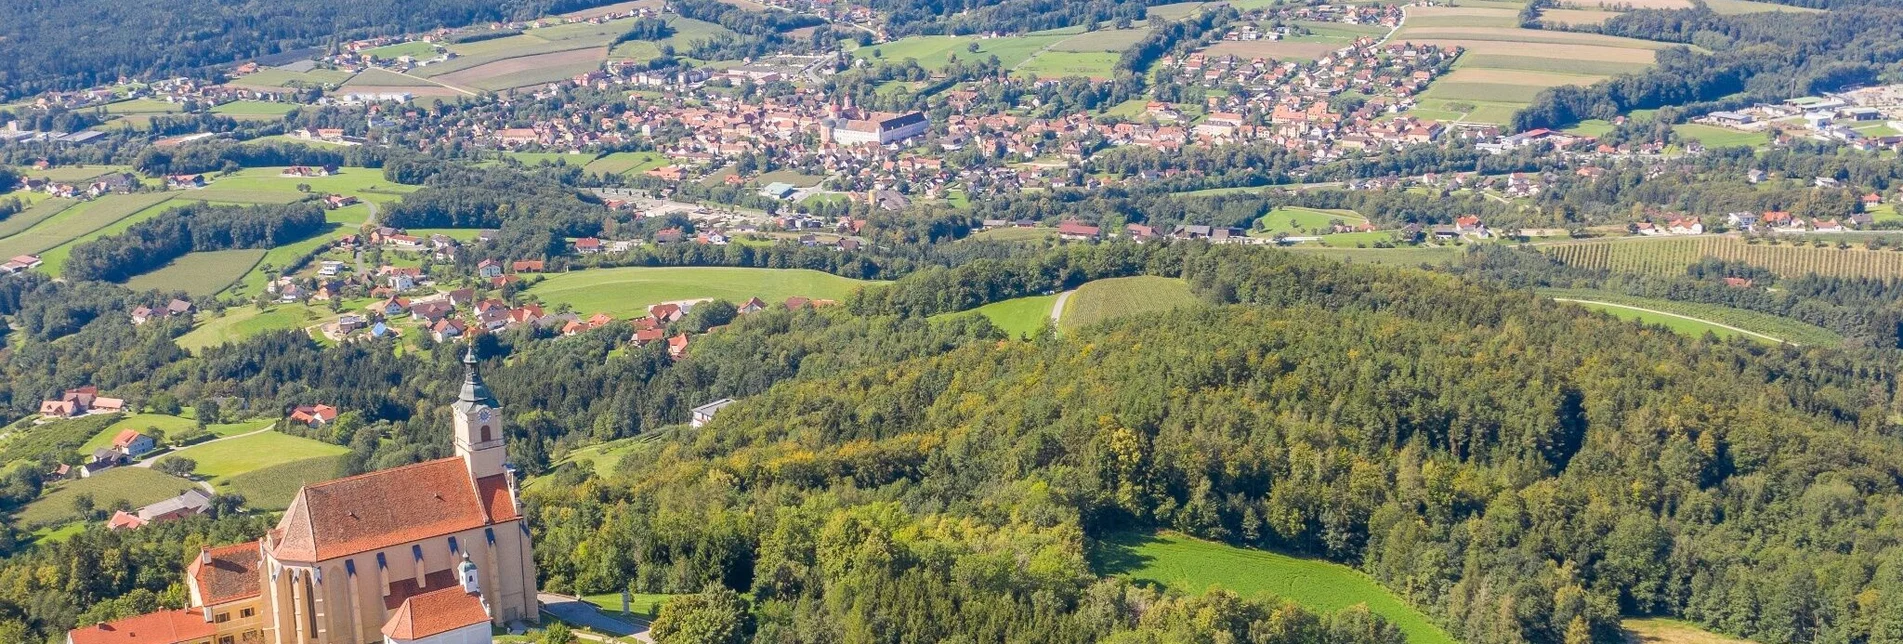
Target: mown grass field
point(626, 163)
point(1192, 565)
point(252, 452)
point(1295, 220)
point(134, 485)
point(55, 257)
point(200, 274)
point(143, 106)
point(273, 487)
point(1680, 325)
point(414, 49)
point(274, 77)
point(75, 222)
point(1018, 317)
point(627, 292)
point(144, 423)
point(1403, 256)
point(1123, 296)
point(1781, 328)
point(934, 52)
point(33, 215)
point(256, 109)
point(602, 458)
point(243, 322)
point(253, 281)
point(1060, 64)
point(687, 31)
point(1014, 234)
point(1719, 137)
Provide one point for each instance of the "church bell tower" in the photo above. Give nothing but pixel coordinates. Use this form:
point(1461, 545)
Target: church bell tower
point(478, 423)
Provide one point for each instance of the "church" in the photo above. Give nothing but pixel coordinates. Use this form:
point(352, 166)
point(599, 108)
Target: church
point(432, 553)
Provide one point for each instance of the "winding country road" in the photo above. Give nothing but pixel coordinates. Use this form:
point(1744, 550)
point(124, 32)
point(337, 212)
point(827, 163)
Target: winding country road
point(1057, 308)
point(1641, 309)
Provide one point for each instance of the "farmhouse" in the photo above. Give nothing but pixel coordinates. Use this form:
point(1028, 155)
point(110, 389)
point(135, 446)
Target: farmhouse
point(132, 443)
point(314, 415)
point(191, 503)
point(431, 552)
point(19, 263)
point(705, 413)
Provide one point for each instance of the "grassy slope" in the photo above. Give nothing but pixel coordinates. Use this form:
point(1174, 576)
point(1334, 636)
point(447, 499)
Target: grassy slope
point(134, 485)
point(77, 221)
point(1299, 221)
point(246, 321)
point(253, 452)
point(1113, 298)
point(627, 292)
point(1018, 316)
point(1767, 324)
point(272, 488)
point(1192, 566)
point(46, 209)
point(200, 274)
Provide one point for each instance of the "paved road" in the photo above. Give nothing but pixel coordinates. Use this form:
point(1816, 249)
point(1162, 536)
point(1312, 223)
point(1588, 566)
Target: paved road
point(1057, 308)
point(1682, 317)
point(576, 611)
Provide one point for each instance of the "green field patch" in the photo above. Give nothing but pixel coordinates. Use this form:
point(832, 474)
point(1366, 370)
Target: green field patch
point(42, 211)
point(73, 173)
point(1295, 220)
point(1591, 127)
point(1719, 137)
point(646, 605)
point(223, 459)
point(1110, 299)
point(231, 195)
point(1060, 64)
point(1659, 630)
point(255, 109)
point(598, 33)
point(77, 221)
point(32, 440)
point(1582, 67)
point(533, 159)
point(365, 183)
point(933, 52)
point(626, 163)
point(1483, 92)
point(1190, 565)
point(1102, 40)
point(687, 31)
point(1402, 256)
point(272, 488)
point(627, 292)
point(51, 535)
point(1014, 234)
point(374, 77)
point(1176, 11)
point(790, 177)
point(1356, 240)
point(134, 485)
point(143, 106)
point(1017, 317)
point(1706, 317)
point(1735, 7)
point(55, 257)
point(415, 49)
point(201, 273)
point(602, 458)
point(270, 77)
point(144, 423)
point(243, 322)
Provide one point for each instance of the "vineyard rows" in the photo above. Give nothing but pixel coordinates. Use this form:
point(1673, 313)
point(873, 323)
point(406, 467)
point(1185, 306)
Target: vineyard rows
point(1671, 256)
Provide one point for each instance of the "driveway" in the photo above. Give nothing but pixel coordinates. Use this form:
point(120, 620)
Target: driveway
point(581, 613)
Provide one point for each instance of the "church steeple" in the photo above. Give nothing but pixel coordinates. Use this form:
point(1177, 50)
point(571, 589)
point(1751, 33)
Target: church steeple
point(478, 422)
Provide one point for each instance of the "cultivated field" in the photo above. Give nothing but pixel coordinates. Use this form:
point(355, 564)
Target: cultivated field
point(1300, 221)
point(134, 485)
point(1576, 16)
point(528, 70)
point(936, 51)
point(20, 221)
point(1463, 16)
point(627, 292)
point(1059, 64)
point(1504, 85)
point(1277, 49)
point(1114, 298)
point(272, 488)
point(1718, 137)
point(1670, 256)
point(413, 49)
point(77, 221)
point(1192, 565)
point(1115, 40)
point(1503, 67)
point(73, 173)
point(1017, 316)
point(254, 109)
point(200, 274)
point(626, 163)
point(272, 77)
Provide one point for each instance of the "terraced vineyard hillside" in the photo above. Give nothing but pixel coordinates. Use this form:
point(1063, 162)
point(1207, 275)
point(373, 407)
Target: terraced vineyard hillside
point(1671, 256)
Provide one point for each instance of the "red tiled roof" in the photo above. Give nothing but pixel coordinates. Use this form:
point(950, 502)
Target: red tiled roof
point(125, 437)
point(496, 500)
point(435, 613)
point(380, 509)
point(232, 574)
point(163, 627)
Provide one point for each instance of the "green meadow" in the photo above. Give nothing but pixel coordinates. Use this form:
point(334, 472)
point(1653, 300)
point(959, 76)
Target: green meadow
point(1123, 296)
point(627, 292)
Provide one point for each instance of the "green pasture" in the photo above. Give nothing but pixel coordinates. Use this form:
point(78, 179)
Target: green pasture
point(1719, 137)
point(270, 77)
point(143, 106)
point(414, 49)
point(224, 459)
point(1109, 299)
point(1706, 317)
point(272, 488)
point(1295, 220)
point(134, 485)
point(937, 51)
point(74, 173)
point(1061, 64)
point(1190, 565)
point(200, 274)
point(255, 109)
point(77, 221)
point(627, 292)
point(243, 322)
point(1017, 316)
point(55, 257)
point(33, 215)
point(144, 423)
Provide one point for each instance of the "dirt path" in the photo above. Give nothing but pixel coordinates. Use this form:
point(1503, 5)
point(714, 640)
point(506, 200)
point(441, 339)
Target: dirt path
point(1720, 325)
point(1057, 308)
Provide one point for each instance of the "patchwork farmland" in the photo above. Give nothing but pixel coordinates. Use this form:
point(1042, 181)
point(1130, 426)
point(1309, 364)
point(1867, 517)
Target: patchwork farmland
point(1504, 66)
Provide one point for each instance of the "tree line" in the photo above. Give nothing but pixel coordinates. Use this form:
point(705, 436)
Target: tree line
point(155, 242)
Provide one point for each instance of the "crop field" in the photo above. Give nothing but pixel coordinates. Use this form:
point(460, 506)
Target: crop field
point(1118, 297)
point(1780, 328)
point(77, 221)
point(1278, 49)
point(1505, 67)
point(1671, 631)
point(240, 322)
point(1192, 566)
point(1061, 64)
point(272, 488)
point(936, 51)
point(31, 441)
point(252, 452)
point(135, 485)
point(254, 109)
point(1017, 316)
point(200, 274)
point(143, 106)
point(73, 173)
point(1479, 62)
point(602, 33)
point(485, 52)
point(1115, 40)
point(1576, 16)
point(1403, 256)
point(270, 77)
point(379, 80)
point(35, 214)
point(1418, 17)
point(1717, 137)
point(1295, 220)
point(627, 292)
point(1670, 256)
point(626, 163)
point(524, 71)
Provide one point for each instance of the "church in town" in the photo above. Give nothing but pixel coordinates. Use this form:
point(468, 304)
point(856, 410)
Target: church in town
point(432, 553)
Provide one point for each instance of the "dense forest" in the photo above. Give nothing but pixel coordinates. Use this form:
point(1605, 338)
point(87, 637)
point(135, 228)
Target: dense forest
point(64, 46)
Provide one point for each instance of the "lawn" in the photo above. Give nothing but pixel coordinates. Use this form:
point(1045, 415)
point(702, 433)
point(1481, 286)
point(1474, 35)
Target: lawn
point(171, 425)
point(1109, 299)
point(272, 488)
point(1192, 565)
point(414, 49)
point(200, 274)
point(134, 485)
point(76, 222)
point(1061, 64)
point(1295, 220)
point(1718, 137)
point(252, 452)
point(1018, 316)
point(143, 106)
point(626, 163)
point(274, 77)
point(627, 292)
point(243, 322)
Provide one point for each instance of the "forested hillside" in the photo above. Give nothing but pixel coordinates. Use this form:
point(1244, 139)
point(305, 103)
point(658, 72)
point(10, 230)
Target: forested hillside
point(61, 46)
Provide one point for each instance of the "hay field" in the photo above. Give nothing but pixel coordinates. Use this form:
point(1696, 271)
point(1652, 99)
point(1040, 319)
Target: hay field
point(528, 70)
point(1272, 49)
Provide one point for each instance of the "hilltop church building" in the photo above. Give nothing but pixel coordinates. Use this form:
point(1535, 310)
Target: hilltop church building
point(432, 553)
